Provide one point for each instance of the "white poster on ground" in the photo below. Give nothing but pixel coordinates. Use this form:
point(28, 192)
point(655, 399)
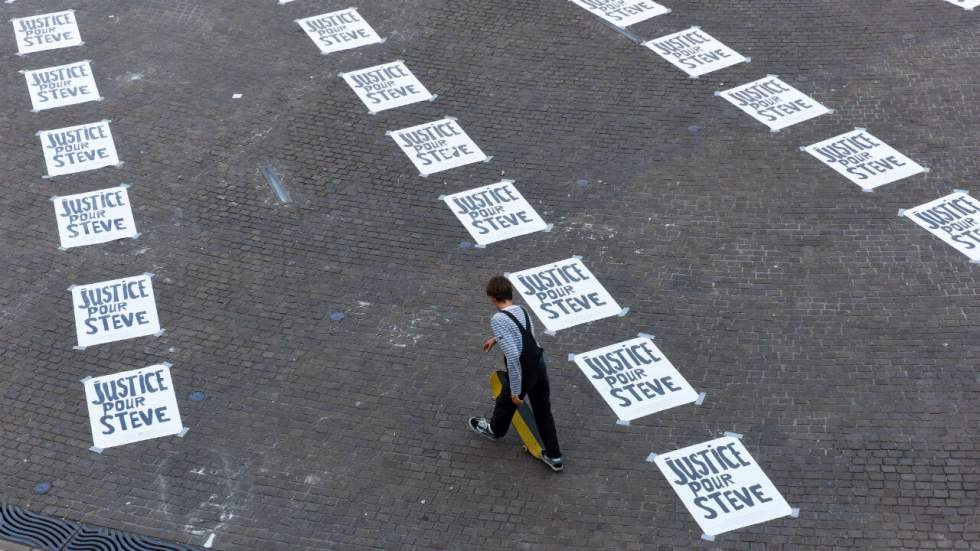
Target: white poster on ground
point(49, 31)
point(62, 85)
point(623, 13)
point(564, 294)
point(965, 4)
point(774, 103)
point(387, 86)
point(339, 30)
point(132, 406)
point(953, 219)
point(78, 148)
point(864, 159)
point(94, 217)
point(115, 310)
point(437, 146)
point(721, 486)
point(635, 378)
point(695, 52)
point(495, 212)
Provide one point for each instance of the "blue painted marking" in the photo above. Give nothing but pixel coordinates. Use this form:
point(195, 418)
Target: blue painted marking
point(270, 176)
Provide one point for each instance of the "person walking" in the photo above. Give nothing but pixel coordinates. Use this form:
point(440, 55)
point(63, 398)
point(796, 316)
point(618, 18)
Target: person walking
point(526, 372)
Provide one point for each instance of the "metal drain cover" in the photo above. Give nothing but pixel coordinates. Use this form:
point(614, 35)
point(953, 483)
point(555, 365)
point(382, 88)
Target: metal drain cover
point(41, 531)
point(55, 534)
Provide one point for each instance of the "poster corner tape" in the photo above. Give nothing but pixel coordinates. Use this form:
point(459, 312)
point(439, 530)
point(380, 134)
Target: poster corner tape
point(651, 458)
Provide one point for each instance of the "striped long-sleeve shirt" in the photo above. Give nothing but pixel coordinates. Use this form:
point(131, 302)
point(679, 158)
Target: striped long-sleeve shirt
point(510, 343)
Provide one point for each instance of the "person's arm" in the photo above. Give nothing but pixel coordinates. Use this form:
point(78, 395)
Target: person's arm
point(509, 340)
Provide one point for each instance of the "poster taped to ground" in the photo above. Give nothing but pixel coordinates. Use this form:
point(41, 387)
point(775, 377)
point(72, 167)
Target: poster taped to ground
point(115, 310)
point(623, 13)
point(437, 146)
point(774, 103)
point(94, 217)
point(494, 213)
point(387, 86)
point(635, 378)
point(132, 406)
point(864, 159)
point(339, 30)
point(954, 219)
point(78, 148)
point(61, 86)
point(49, 31)
point(564, 294)
point(695, 52)
point(722, 486)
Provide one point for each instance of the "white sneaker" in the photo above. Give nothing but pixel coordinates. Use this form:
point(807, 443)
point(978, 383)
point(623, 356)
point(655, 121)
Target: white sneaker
point(553, 464)
point(480, 425)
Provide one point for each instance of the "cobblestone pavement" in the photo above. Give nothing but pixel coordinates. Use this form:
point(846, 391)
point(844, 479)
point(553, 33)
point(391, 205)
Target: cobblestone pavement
point(841, 340)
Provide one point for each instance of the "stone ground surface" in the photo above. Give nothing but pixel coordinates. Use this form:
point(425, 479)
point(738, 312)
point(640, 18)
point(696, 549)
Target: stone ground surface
point(839, 338)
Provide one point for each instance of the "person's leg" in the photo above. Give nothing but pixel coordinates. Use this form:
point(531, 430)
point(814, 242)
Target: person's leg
point(503, 409)
point(540, 398)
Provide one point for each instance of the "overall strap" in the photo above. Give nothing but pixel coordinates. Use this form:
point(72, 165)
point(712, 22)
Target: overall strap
point(524, 331)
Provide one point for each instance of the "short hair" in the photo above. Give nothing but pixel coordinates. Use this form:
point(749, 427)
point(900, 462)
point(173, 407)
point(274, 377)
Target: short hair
point(500, 289)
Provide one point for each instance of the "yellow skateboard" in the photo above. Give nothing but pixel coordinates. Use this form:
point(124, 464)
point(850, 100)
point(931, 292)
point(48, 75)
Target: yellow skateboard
point(523, 420)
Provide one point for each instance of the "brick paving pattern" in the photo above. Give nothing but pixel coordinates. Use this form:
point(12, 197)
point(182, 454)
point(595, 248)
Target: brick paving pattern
point(840, 339)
